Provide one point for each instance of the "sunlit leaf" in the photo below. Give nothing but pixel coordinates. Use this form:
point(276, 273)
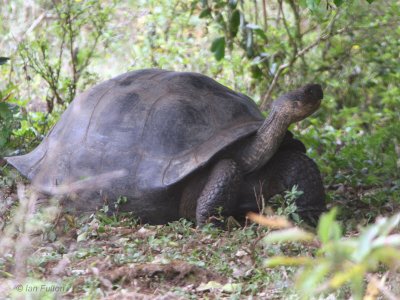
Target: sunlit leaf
point(294, 234)
point(389, 224)
point(365, 242)
point(340, 278)
point(375, 236)
point(328, 227)
point(312, 276)
point(387, 255)
point(392, 241)
point(275, 222)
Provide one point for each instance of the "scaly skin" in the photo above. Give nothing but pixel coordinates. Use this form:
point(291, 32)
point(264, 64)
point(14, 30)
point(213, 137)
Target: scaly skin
point(287, 109)
point(265, 143)
point(286, 169)
point(295, 168)
point(222, 186)
point(220, 191)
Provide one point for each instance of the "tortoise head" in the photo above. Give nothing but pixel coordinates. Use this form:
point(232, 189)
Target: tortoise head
point(289, 108)
point(300, 103)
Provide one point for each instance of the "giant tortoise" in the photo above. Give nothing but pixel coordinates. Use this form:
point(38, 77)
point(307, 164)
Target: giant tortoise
point(188, 147)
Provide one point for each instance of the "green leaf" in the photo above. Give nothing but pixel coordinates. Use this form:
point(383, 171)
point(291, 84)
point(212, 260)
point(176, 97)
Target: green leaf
point(388, 225)
point(249, 44)
point(3, 60)
point(370, 1)
point(205, 13)
point(312, 276)
point(391, 240)
point(328, 227)
point(376, 235)
point(351, 272)
point(338, 2)
point(218, 48)
point(5, 111)
point(3, 140)
point(365, 243)
point(234, 22)
point(261, 33)
point(221, 21)
point(256, 72)
point(386, 255)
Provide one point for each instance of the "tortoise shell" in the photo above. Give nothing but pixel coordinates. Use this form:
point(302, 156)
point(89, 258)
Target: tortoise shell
point(158, 126)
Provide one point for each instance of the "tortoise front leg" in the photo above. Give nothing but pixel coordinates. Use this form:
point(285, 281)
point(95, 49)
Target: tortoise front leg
point(220, 191)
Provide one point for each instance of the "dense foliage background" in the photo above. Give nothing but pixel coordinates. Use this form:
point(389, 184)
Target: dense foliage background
point(52, 50)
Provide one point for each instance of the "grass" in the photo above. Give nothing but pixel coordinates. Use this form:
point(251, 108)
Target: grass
point(103, 257)
point(46, 254)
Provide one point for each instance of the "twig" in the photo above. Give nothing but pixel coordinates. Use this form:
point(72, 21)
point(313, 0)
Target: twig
point(255, 12)
point(264, 4)
point(32, 27)
point(322, 37)
point(6, 97)
point(297, 22)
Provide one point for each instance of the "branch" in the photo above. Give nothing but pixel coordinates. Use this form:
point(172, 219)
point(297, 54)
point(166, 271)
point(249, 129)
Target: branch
point(31, 28)
point(322, 37)
point(285, 24)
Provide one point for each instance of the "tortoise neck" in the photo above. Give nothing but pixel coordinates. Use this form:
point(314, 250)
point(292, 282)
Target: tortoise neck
point(263, 145)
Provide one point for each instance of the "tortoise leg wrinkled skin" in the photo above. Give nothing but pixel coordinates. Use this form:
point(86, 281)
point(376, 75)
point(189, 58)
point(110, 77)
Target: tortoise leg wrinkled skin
point(220, 191)
point(224, 187)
